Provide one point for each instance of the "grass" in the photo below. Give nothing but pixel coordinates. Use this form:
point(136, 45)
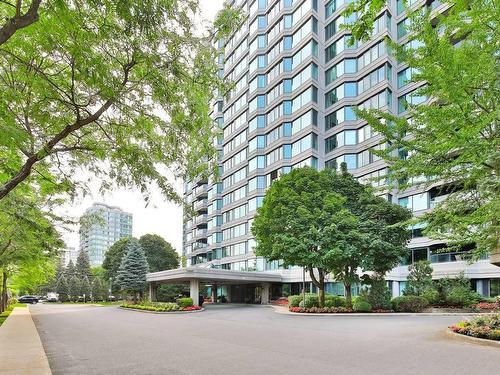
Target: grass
point(102, 303)
point(6, 313)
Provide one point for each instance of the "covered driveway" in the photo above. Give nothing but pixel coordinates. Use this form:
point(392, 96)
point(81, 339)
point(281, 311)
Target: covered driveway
point(214, 277)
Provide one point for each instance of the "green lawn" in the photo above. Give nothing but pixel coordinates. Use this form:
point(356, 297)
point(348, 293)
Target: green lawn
point(6, 313)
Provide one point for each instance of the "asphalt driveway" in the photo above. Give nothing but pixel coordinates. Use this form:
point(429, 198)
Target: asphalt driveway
point(253, 340)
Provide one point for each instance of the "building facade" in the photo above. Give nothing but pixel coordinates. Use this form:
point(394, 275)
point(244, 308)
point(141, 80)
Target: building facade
point(297, 80)
point(108, 225)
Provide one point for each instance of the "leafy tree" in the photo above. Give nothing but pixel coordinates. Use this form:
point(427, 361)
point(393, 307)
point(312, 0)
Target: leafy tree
point(63, 289)
point(133, 268)
point(98, 272)
point(159, 253)
point(28, 240)
point(378, 295)
point(299, 214)
point(126, 89)
point(113, 259)
point(330, 223)
point(85, 289)
point(70, 270)
point(82, 268)
point(419, 278)
point(453, 140)
point(74, 286)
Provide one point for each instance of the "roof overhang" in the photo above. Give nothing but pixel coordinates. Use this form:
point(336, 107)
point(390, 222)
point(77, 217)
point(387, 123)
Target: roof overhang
point(209, 275)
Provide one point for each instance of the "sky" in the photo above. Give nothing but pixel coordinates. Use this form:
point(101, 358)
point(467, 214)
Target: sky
point(159, 217)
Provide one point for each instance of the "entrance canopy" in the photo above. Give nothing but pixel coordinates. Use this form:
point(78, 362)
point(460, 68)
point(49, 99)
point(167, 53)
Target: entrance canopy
point(210, 275)
point(194, 276)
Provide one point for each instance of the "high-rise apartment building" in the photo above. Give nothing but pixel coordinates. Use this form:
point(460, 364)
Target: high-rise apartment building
point(107, 226)
point(297, 80)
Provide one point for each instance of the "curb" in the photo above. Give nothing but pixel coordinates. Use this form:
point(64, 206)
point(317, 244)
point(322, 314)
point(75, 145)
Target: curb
point(161, 312)
point(473, 339)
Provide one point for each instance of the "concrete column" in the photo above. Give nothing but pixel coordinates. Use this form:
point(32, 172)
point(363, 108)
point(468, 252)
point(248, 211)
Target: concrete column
point(228, 297)
point(152, 292)
point(194, 291)
point(214, 293)
point(264, 299)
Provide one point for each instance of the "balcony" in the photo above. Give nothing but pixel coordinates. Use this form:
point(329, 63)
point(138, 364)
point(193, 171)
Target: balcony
point(200, 205)
point(201, 191)
point(200, 234)
point(199, 246)
point(201, 220)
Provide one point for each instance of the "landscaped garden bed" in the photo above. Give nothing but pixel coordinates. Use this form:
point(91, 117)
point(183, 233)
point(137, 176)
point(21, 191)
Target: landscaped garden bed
point(483, 327)
point(183, 304)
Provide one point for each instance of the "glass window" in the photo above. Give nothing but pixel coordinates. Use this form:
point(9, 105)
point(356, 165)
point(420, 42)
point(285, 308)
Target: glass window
point(288, 21)
point(349, 114)
point(261, 81)
point(287, 107)
point(351, 160)
point(350, 89)
point(262, 41)
point(287, 42)
point(262, 4)
point(261, 61)
point(261, 101)
point(287, 129)
point(287, 3)
point(350, 65)
point(262, 22)
point(287, 64)
point(287, 86)
point(287, 151)
point(350, 137)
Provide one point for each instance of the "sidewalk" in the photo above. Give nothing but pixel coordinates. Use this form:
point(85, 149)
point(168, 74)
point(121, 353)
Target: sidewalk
point(21, 351)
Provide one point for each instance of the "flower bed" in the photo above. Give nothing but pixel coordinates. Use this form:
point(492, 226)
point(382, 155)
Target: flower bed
point(486, 306)
point(159, 307)
point(280, 302)
point(316, 310)
point(484, 327)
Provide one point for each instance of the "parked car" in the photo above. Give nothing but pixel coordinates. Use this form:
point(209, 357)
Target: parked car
point(111, 298)
point(52, 297)
point(28, 299)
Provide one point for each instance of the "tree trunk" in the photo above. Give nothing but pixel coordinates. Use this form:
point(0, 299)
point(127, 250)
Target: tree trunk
point(348, 296)
point(319, 283)
point(3, 299)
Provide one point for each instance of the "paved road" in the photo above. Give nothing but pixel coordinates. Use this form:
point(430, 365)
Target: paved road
point(253, 340)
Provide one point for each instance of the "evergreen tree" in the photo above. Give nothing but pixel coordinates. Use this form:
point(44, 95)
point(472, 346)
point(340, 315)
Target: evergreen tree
point(69, 272)
point(419, 279)
point(63, 289)
point(97, 290)
point(74, 288)
point(82, 268)
point(133, 268)
point(85, 289)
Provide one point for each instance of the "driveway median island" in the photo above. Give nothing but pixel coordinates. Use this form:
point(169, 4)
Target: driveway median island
point(182, 305)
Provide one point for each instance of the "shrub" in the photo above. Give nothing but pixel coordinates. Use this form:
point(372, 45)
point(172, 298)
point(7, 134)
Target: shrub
point(11, 302)
point(362, 306)
point(409, 304)
point(311, 300)
point(334, 301)
point(377, 294)
point(294, 301)
point(185, 302)
point(461, 295)
point(431, 295)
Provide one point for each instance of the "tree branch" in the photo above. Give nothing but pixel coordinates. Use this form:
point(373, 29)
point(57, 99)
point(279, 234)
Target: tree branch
point(19, 21)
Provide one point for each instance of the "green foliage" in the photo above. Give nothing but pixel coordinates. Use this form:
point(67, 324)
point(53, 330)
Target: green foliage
point(170, 292)
point(377, 294)
point(412, 304)
point(431, 295)
point(98, 290)
point(124, 92)
point(329, 222)
point(486, 327)
point(70, 270)
point(113, 259)
point(133, 268)
point(74, 286)
point(82, 267)
point(159, 253)
point(311, 300)
point(294, 300)
point(456, 291)
point(63, 289)
point(156, 306)
point(334, 301)
point(185, 302)
point(419, 278)
point(361, 306)
point(455, 139)
point(85, 289)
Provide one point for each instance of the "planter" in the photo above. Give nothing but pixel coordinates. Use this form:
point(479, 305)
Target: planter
point(162, 312)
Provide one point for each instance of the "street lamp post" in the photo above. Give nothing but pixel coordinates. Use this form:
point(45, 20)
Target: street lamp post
point(303, 286)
